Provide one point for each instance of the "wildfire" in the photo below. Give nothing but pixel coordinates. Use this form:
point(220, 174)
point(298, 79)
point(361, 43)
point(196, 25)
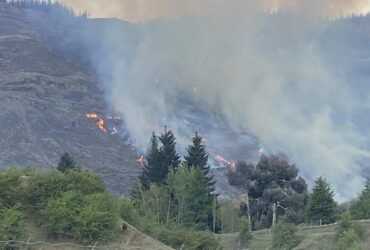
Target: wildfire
point(141, 160)
point(100, 124)
point(231, 165)
point(99, 121)
point(92, 115)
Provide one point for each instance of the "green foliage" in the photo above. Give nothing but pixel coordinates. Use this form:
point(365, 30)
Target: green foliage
point(198, 157)
point(152, 164)
point(52, 184)
point(360, 209)
point(190, 190)
point(228, 213)
point(127, 210)
point(169, 157)
point(66, 162)
point(272, 180)
point(245, 234)
point(12, 225)
point(87, 218)
point(348, 233)
point(44, 186)
point(321, 206)
point(11, 187)
point(97, 219)
point(349, 241)
point(177, 236)
point(60, 213)
point(284, 236)
point(159, 160)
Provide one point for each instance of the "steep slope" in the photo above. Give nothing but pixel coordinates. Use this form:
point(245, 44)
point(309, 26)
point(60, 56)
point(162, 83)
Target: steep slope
point(44, 97)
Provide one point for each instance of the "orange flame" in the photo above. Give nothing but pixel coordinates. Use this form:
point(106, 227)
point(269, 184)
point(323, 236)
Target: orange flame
point(100, 124)
point(92, 115)
point(141, 160)
point(231, 165)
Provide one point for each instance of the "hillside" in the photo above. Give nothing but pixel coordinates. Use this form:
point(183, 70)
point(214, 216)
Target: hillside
point(314, 238)
point(130, 239)
point(44, 98)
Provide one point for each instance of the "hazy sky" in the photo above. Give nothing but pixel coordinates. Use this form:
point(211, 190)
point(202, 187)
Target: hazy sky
point(139, 10)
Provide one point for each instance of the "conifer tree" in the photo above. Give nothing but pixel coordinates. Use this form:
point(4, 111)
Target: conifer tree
point(66, 162)
point(321, 206)
point(361, 208)
point(168, 156)
point(198, 157)
point(151, 172)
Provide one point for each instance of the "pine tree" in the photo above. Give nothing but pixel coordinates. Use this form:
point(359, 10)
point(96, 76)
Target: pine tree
point(168, 156)
point(321, 207)
point(66, 162)
point(360, 209)
point(198, 157)
point(151, 172)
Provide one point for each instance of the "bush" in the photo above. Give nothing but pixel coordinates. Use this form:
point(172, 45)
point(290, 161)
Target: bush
point(11, 226)
point(349, 241)
point(127, 210)
point(97, 219)
point(11, 188)
point(348, 233)
point(44, 186)
point(245, 234)
point(284, 236)
point(60, 213)
point(87, 218)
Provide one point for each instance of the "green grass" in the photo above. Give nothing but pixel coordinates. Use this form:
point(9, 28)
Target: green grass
point(313, 238)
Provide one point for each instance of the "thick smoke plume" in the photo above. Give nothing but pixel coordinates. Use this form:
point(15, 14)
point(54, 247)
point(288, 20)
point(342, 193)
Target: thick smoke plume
point(267, 74)
point(141, 10)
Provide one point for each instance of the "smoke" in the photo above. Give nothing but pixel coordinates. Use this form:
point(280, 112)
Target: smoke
point(141, 10)
point(265, 74)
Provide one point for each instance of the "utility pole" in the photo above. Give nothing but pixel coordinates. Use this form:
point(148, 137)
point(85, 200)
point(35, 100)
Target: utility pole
point(214, 213)
point(246, 199)
point(274, 214)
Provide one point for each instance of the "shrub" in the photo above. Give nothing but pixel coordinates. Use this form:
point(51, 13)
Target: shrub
point(60, 213)
point(11, 226)
point(11, 188)
point(348, 233)
point(284, 236)
point(97, 219)
point(245, 234)
point(127, 210)
point(178, 236)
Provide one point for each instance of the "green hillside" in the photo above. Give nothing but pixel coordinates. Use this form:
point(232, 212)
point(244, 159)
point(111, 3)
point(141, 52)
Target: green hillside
point(313, 238)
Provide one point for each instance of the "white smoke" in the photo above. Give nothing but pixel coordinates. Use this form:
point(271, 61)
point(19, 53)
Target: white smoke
point(266, 74)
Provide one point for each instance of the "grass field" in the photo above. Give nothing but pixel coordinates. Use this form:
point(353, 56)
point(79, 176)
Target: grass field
point(130, 239)
point(314, 238)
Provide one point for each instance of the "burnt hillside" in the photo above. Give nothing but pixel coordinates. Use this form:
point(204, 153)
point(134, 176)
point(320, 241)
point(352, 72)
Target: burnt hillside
point(44, 98)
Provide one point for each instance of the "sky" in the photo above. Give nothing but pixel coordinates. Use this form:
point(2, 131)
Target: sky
point(143, 10)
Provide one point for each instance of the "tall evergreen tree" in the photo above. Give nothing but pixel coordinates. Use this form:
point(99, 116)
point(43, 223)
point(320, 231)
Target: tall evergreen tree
point(152, 171)
point(168, 156)
point(321, 206)
point(66, 162)
point(198, 157)
point(361, 207)
point(159, 159)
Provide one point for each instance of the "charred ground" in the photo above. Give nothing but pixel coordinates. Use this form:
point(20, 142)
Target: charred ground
point(44, 96)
